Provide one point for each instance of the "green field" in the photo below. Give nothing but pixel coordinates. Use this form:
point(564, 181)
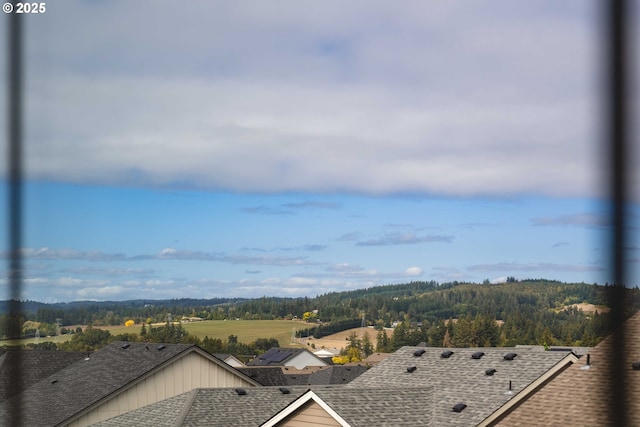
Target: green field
point(246, 330)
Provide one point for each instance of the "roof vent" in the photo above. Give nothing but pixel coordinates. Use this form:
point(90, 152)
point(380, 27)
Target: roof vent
point(125, 346)
point(241, 391)
point(490, 372)
point(284, 390)
point(635, 366)
point(419, 352)
point(446, 354)
point(459, 407)
point(161, 347)
point(510, 356)
point(54, 381)
point(411, 369)
point(477, 355)
point(587, 366)
point(509, 392)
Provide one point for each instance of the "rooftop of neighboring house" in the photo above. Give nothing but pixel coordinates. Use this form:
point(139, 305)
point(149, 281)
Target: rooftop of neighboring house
point(578, 396)
point(81, 384)
point(33, 366)
point(258, 405)
point(316, 375)
point(282, 356)
point(486, 380)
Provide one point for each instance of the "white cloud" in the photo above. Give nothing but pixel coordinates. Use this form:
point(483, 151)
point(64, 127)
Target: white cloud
point(456, 99)
point(413, 271)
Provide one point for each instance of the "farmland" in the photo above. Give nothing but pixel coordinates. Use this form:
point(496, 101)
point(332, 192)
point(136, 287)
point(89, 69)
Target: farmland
point(246, 330)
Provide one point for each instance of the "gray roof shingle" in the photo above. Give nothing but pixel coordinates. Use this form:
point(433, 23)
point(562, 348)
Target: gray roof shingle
point(88, 381)
point(461, 379)
point(33, 366)
point(225, 408)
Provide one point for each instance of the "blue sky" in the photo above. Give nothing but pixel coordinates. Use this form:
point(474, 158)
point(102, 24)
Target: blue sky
point(292, 148)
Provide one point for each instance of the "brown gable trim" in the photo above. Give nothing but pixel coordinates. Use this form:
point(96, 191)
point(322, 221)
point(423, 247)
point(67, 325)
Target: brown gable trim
point(515, 401)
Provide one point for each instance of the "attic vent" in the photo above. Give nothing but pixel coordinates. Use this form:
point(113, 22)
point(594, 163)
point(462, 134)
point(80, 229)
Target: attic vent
point(446, 354)
point(161, 347)
point(125, 346)
point(411, 369)
point(284, 390)
point(490, 372)
point(635, 366)
point(477, 355)
point(510, 356)
point(241, 391)
point(459, 407)
point(419, 352)
point(54, 381)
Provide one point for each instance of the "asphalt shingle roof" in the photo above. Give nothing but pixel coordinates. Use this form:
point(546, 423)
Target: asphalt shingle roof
point(578, 396)
point(85, 382)
point(321, 375)
point(461, 379)
point(225, 408)
point(33, 366)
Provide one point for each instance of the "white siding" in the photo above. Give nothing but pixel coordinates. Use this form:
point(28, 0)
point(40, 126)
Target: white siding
point(304, 359)
point(185, 374)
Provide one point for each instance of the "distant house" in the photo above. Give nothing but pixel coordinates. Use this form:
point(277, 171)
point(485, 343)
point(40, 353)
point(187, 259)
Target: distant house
point(117, 379)
point(295, 357)
point(289, 376)
point(230, 359)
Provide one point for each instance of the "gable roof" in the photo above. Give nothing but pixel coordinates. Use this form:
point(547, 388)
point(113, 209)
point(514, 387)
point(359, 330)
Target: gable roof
point(367, 407)
point(268, 405)
point(33, 365)
point(88, 382)
point(280, 356)
point(462, 379)
point(586, 404)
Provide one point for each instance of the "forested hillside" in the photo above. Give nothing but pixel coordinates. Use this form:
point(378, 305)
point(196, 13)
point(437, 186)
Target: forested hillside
point(458, 314)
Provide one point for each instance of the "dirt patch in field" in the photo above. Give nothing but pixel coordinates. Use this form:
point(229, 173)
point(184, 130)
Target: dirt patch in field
point(589, 308)
point(338, 341)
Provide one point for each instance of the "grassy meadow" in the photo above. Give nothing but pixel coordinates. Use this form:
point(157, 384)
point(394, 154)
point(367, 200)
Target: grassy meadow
point(246, 330)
